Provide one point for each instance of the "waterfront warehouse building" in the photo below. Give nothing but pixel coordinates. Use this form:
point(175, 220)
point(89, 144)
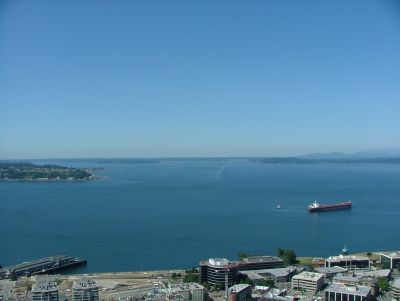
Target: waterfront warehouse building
point(308, 281)
point(342, 292)
point(45, 291)
point(260, 263)
point(390, 260)
point(348, 262)
point(214, 271)
point(240, 292)
point(85, 289)
point(396, 289)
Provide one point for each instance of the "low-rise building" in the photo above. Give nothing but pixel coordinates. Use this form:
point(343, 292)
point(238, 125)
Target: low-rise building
point(260, 263)
point(329, 272)
point(349, 279)
point(396, 289)
point(308, 281)
point(239, 292)
point(390, 260)
point(279, 275)
point(348, 261)
point(45, 291)
point(342, 292)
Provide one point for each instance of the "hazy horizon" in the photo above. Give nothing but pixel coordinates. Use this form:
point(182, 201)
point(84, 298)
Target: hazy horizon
point(187, 79)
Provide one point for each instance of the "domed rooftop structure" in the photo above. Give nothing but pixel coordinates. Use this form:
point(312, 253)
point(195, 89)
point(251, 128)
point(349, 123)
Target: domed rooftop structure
point(218, 262)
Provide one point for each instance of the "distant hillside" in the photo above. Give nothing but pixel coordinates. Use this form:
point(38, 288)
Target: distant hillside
point(387, 153)
point(302, 160)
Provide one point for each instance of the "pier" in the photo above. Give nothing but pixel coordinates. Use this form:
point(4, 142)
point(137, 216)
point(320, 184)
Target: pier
point(46, 265)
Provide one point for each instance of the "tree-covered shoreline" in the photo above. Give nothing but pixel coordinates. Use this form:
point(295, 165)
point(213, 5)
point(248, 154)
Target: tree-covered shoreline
point(21, 171)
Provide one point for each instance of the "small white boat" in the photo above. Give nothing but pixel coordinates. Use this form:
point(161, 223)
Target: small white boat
point(278, 207)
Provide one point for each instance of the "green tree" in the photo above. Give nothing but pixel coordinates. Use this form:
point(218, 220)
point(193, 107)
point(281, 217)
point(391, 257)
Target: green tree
point(288, 256)
point(383, 284)
point(268, 282)
point(191, 277)
point(242, 255)
point(13, 276)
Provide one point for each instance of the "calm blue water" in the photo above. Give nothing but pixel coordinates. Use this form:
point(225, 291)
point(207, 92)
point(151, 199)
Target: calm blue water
point(173, 213)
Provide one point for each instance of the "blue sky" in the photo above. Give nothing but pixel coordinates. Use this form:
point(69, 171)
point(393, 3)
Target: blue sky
point(198, 78)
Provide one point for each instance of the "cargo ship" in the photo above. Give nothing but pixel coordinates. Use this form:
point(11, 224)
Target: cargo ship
point(316, 207)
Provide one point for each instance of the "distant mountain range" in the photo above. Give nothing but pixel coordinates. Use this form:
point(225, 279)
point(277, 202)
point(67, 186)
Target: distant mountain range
point(388, 153)
point(382, 156)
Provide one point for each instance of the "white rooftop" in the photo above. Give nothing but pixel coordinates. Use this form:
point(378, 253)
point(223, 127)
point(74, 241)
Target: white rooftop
point(308, 276)
point(238, 287)
point(218, 261)
point(395, 254)
point(346, 257)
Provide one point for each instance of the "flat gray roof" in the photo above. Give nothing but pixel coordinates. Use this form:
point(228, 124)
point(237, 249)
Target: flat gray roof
point(258, 259)
point(341, 277)
point(377, 273)
point(330, 270)
point(278, 272)
point(346, 289)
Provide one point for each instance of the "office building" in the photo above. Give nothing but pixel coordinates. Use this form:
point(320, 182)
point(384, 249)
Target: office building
point(342, 292)
point(390, 260)
point(308, 281)
point(239, 292)
point(214, 271)
point(260, 263)
point(348, 261)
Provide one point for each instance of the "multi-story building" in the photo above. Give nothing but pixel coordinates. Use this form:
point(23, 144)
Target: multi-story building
point(189, 291)
point(348, 262)
point(390, 260)
point(240, 292)
point(308, 281)
point(85, 289)
point(342, 292)
point(45, 291)
point(215, 270)
point(260, 263)
point(396, 289)
point(330, 272)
